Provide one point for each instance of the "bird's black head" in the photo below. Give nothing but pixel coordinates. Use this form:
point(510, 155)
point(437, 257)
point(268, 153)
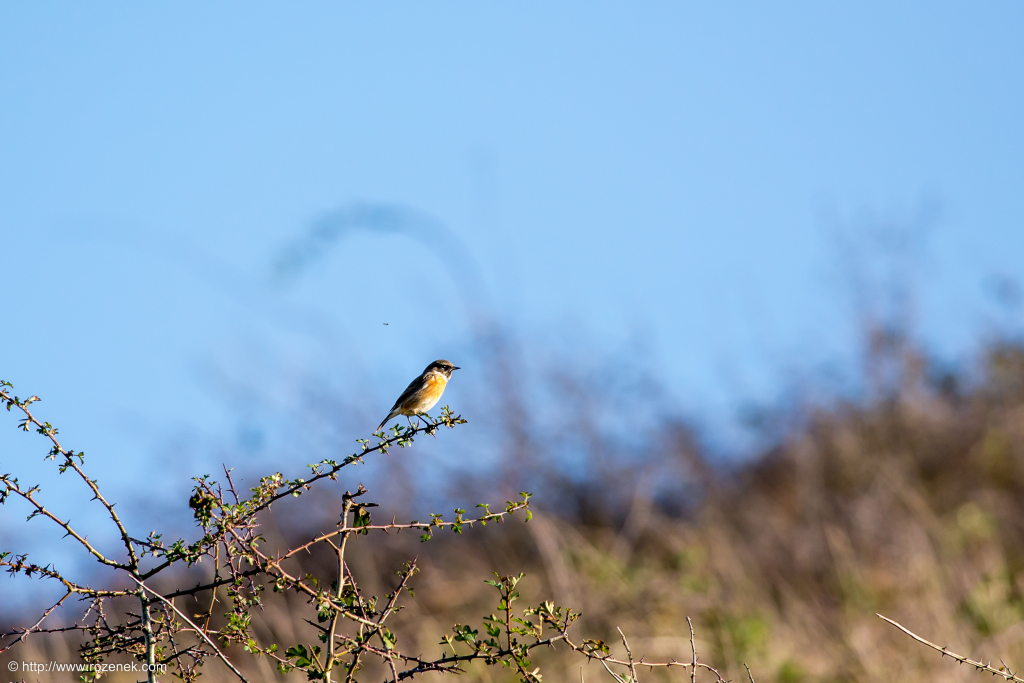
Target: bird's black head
point(442, 366)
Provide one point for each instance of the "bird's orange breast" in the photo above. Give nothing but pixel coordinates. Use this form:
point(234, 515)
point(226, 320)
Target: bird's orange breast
point(425, 398)
point(435, 387)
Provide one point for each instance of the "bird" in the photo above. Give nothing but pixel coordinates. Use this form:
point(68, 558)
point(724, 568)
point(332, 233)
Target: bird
point(423, 393)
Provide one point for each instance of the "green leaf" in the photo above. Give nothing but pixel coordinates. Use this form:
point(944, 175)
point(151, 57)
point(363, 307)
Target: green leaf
point(389, 639)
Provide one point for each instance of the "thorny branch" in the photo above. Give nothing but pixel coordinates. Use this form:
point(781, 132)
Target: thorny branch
point(128, 616)
point(1003, 672)
point(49, 431)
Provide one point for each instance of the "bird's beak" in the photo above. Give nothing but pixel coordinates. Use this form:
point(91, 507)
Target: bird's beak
point(456, 368)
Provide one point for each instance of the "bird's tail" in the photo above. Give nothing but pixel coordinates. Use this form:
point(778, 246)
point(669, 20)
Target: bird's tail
point(385, 421)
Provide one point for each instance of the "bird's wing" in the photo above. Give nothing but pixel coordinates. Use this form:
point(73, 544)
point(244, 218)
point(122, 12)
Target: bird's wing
point(413, 387)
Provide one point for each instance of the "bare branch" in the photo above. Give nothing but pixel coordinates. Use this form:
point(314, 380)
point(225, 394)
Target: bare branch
point(69, 463)
point(1003, 672)
point(198, 630)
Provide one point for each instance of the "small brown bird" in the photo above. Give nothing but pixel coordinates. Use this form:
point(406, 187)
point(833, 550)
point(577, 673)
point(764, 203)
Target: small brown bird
point(423, 393)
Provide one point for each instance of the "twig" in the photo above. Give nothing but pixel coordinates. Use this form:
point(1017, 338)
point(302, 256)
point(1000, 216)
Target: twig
point(200, 632)
point(12, 485)
point(629, 655)
point(48, 431)
point(607, 668)
point(693, 649)
point(213, 593)
point(422, 526)
point(1004, 672)
point(35, 627)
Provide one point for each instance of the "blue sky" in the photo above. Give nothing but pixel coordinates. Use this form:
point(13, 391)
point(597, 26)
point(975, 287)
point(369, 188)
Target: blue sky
point(670, 175)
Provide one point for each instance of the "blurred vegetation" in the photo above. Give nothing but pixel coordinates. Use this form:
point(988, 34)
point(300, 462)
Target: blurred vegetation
point(906, 499)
